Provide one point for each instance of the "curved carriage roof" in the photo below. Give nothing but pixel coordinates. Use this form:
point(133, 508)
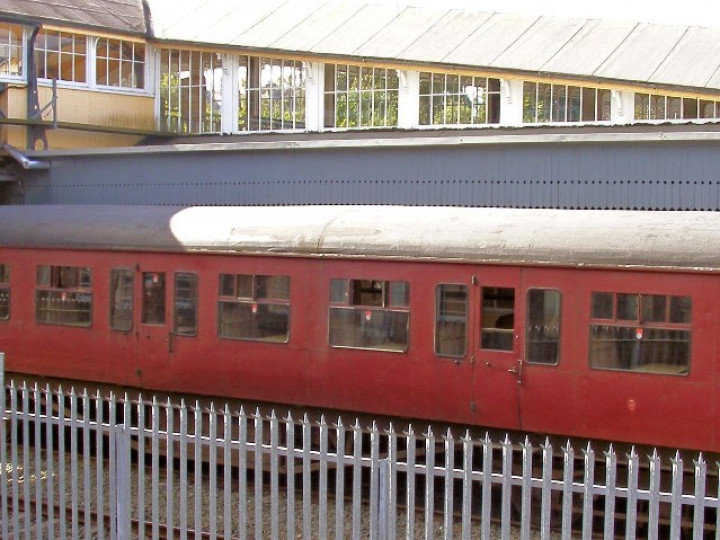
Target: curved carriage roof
point(669, 240)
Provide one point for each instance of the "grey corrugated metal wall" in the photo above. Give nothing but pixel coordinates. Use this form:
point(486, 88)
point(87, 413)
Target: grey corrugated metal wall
point(657, 175)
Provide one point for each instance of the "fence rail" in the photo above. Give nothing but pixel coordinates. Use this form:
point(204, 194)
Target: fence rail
point(82, 466)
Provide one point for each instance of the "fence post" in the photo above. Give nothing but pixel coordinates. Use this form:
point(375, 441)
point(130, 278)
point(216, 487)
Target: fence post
point(122, 483)
point(383, 498)
point(4, 528)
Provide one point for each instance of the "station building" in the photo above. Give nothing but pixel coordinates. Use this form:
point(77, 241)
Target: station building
point(332, 101)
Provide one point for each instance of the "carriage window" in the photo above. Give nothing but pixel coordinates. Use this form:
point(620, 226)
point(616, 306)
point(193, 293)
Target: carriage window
point(254, 307)
point(153, 307)
point(121, 299)
point(185, 305)
point(451, 310)
point(498, 318)
point(647, 333)
point(542, 337)
point(4, 292)
point(63, 295)
point(369, 314)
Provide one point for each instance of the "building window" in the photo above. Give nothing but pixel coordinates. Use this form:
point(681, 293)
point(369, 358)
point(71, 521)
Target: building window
point(451, 312)
point(448, 99)
point(11, 50)
point(271, 94)
point(498, 318)
point(119, 64)
point(61, 56)
point(153, 306)
point(360, 96)
point(190, 91)
point(254, 307)
point(650, 107)
point(542, 335)
point(121, 299)
point(185, 304)
point(640, 332)
point(4, 292)
point(63, 295)
point(369, 314)
point(545, 102)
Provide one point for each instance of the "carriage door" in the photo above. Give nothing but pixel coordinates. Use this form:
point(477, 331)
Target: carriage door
point(496, 360)
point(155, 338)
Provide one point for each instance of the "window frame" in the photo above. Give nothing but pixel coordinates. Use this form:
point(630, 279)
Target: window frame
point(4, 291)
point(254, 301)
point(558, 340)
point(194, 296)
point(335, 93)
point(616, 321)
point(549, 94)
point(111, 303)
point(386, 305)
point(495, 330)
point(465, 319)
point(55, 274)
point(20, 48)
point(429, 100)
point(147, 57)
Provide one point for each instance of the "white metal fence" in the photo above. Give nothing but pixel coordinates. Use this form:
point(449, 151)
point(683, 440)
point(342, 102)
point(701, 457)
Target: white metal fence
point(81, 466)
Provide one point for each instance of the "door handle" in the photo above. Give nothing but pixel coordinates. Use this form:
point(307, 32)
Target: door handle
point(517, 371)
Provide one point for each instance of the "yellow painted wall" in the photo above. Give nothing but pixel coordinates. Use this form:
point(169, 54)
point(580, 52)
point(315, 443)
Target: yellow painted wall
point(101, 108)
point(78, 106)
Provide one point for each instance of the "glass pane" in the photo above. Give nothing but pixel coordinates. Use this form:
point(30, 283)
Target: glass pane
point(543, 326)
point(399, 293)
point(451, 305)
point(627, 307)
point(367, 292)
point(4, 291)
point(62, 307)
point(339, 291)
point(121, 299)
point(4, 302)
point(654, 308)
point(680, 309)
point(227, 285)
point(244, 286)
point(153, 306)
point(646, 350)
point(498, 318)
point(529, 102)
point(369, 329)
point(273, 287)
point(185, 305)
point(253, 321)
point(602, 306)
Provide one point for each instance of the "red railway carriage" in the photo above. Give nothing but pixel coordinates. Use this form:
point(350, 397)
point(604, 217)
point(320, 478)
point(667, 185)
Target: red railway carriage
point(581, 323)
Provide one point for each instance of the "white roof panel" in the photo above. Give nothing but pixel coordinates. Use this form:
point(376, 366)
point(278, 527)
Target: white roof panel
point(277, 24)
point(490, 40)
point(400, 33)
point(445, 35)
point(642, 52)
point(539, 43)
point(305, 35)
point(589, 48)
point(356, 32)
point(693, 62)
